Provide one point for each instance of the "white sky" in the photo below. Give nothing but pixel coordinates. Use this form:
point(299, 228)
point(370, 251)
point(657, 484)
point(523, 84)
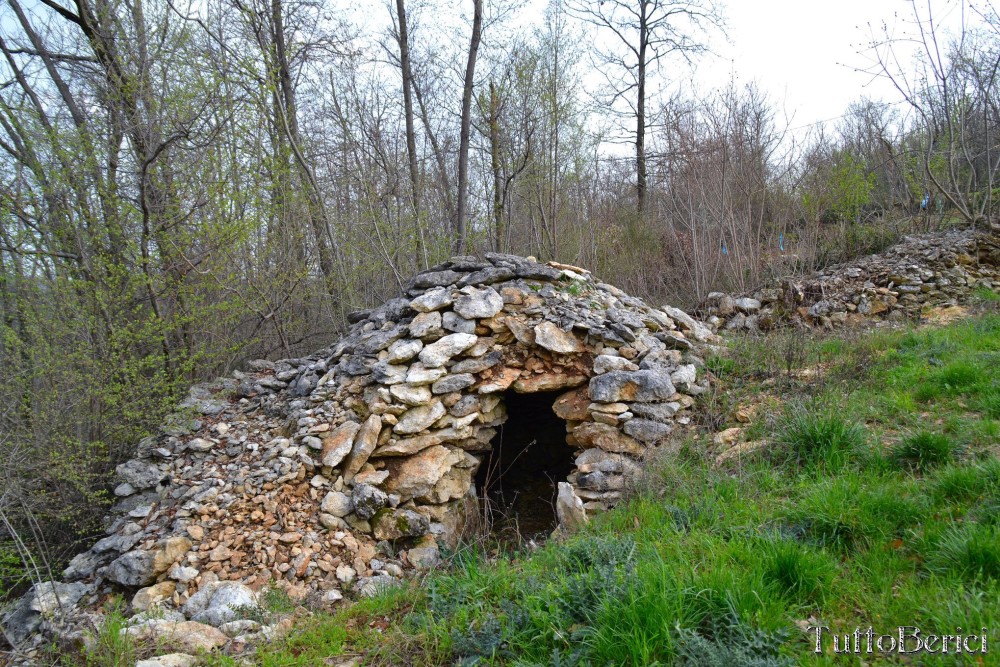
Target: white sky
point(806, 53)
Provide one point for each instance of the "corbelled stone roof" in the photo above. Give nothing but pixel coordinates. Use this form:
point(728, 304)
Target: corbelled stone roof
point(295, 471)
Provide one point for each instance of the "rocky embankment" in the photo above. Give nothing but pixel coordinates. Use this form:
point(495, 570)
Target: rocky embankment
point(922, 272)
point(337, 473)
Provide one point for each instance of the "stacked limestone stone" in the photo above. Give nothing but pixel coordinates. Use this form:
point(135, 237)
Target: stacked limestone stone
point(346, 468)
point(413, 400)
point(922, 272)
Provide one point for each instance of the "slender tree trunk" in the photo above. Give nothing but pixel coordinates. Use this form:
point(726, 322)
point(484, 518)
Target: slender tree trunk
point(289, 122)
point(463, 149)
point(640, 116)
point(556, 121)
point(411, 139)
point(496, 168)
point(438, 152)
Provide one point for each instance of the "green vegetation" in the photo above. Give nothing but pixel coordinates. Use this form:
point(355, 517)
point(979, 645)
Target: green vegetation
point(923, 450)
point(877, 504)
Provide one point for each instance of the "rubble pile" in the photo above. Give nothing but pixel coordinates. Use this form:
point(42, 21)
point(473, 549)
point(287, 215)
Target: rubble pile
point(339, 472)
point(922, 272)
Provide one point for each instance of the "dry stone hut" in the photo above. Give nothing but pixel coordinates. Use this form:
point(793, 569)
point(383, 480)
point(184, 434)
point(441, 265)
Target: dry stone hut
point(498, 372)
point(497, 379)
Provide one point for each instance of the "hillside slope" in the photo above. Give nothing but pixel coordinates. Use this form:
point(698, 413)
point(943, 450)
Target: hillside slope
point(871, 501)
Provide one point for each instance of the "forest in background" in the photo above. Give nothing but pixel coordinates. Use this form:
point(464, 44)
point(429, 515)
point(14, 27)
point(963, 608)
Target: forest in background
point(188, 184)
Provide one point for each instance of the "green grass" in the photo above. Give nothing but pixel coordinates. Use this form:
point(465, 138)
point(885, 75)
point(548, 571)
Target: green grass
point(878, 505)
point(812, 437)
point(971, 551)
point(924, 450)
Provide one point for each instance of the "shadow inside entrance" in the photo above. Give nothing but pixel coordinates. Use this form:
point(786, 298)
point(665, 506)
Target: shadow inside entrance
point(517, 479)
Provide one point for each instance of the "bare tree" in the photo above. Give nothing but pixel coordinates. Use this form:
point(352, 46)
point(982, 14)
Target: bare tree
point(403, 41)
point(644, 34)
point(461, 214)
point(954, 95)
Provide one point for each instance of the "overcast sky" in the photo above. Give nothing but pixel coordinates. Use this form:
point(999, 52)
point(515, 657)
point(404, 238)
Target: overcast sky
point(807, 53)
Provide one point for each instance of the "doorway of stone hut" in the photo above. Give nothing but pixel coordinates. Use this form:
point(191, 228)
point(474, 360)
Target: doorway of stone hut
point(516, 480)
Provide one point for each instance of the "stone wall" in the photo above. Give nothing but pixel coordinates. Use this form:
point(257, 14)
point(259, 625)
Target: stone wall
point(341, 470)
point(922, 272)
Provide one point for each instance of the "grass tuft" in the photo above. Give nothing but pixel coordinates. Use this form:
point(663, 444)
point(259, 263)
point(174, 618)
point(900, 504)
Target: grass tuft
point(812, 437)
point(923, 450)
point(798, 572)
point(970, 550)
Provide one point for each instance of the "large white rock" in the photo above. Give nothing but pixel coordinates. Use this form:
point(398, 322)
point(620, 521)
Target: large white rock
point(604, 363)
point(169, 660)
point(441, 351)
point(364, 445)
point(569, 508)
point(426, 324)
point(403, 350)
point(338, 443)
point(337, 503)
point(219, 602)
point(419, 418)
point(478, 303)
point(186, 636)
point(431, 300)
point(420, 374)
point(411, 394)
point(551, 337)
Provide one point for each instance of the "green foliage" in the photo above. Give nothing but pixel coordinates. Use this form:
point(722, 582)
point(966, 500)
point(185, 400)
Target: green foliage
point(853, 512)
point(852, 186)
point(802, 573)
point(986, 295)
point(923, 450)
point(988, 402)
point(733, 644)
point(111, 647)
point(11, 569)
point(971, 550)
point(813, 436)
point(961, 483)
point(955, 379)
point(720, 365)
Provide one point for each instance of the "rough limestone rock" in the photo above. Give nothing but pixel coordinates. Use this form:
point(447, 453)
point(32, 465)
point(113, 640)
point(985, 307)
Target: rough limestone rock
point(182, 636)
point(220, 602)
point(337, 503)
point(291, 472)
point(169, 660)
point(643, 386)
point(141, 567)
point(146, 598)
point(905, 282)
point(569, 507)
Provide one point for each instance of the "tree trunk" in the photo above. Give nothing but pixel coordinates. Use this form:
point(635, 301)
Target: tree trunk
point(640, 116)
point(463, 149)
point(289, 122)
point(496, 168)
point(411, 139)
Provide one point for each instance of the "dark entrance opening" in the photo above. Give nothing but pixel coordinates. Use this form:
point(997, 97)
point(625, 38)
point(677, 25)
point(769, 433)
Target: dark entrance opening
point(517, 479)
